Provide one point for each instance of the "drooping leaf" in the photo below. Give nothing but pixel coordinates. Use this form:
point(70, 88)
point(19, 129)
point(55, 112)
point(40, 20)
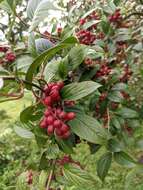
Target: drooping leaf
point(44, 57)
point(103, 165)
point(115, 96)
point(76, 91)
point(124, 159)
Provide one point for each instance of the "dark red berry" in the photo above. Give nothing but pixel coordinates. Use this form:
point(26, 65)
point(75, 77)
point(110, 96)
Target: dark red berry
point(50, 130)
point(66, 135)
point(47, 113)
point(43, 123)
point(50, 120)
point(70, 116)
point(48, 101)
point(55, 95)
point(57, 124)
point(58, 132)
point(62, 115)
point(60, 84)
point(64, 128)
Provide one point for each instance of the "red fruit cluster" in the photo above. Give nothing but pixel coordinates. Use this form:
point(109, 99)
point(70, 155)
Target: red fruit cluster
point(115, 17)
point(104, 71)
point(10, 57)
point(126, 75)
point(103, 96)
point(86, 37)
point(55, 118)
point(30, 178)
point(3, 49)
point(67, 160)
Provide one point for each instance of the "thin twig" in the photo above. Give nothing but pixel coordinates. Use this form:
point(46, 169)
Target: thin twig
point(134, 14)
point(51, 175)
point(24, 81)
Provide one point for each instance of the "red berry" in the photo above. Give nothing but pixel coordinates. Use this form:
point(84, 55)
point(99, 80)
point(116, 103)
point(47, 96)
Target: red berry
point(43, 123)
point(60, 84)
point(70, 116)
point(47, 113)
point(50, 130)
point(62, 115)
point(64, 128)
point(48, 101)
point(58, 132)
point(57, 123)
point(58, 111)
point(66, 135)
point(50, 120)
point(55, 95)
point(46, 90)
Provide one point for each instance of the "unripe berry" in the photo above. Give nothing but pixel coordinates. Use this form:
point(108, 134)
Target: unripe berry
point(57, 124)
point(64, 128)
point(70, 116)
point(48, 101)
point(50, 120)
point(43, 123)
point(50, 130)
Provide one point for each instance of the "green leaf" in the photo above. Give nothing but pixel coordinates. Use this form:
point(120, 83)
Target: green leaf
point(65, 145)
point(76, 91)
point(26, 114)
point(105, 27)
point(24, 133)
point(41, 12)
point(124, 159)
point(8, 6)
point(103, 165)
point(127, 113)
point(76, 56)
point(114, 145)
point(23, 62)
point(52, 151)
point(51, 70)
point(119, 86)
point(91, 23)
point(32, 44)
point(44, 57)
point(31, 7)
point(42, 45)
point(78, 177)
point(88, 128)
point(42, 180)
point(62, 70)
point(115, 96)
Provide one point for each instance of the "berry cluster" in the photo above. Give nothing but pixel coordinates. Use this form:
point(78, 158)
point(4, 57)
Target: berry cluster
point(115, 17)
point(30, 178)
point(55, 118)
point(8, 56)
point(103, 71)
point(86, 37)
point(126, 74)
point(67, 160)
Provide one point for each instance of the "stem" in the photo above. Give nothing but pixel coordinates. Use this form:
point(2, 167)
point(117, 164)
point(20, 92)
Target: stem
point(24, 81)
point(50, 175)
point(133, 14)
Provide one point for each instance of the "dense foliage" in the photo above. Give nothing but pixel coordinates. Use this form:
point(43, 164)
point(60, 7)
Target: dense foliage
point(83, 74)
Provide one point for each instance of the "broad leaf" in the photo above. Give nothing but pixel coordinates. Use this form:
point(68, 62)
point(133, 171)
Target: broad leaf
point(32, 44)
point(103, 165)
point(127, 113)
point(76, 91)
point(124, 159)
point(78, 177)
point(24, 133)
point(88, 128)
point(115, 96)
point(114, 146)
point(32, 5)
point(48, 54)
point(41, 12)
point(42, 45)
